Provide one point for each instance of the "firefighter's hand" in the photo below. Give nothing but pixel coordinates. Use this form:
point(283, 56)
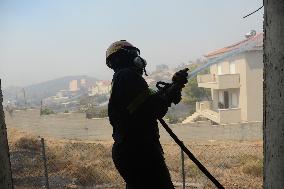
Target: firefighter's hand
point(177, 97)
point(180, 77)
point(173, 94)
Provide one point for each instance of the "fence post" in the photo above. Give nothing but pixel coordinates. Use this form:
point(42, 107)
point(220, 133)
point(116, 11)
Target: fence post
point(182, 169)
point(44, 163)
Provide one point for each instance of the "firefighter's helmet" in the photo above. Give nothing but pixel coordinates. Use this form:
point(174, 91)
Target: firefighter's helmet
point(120, 46)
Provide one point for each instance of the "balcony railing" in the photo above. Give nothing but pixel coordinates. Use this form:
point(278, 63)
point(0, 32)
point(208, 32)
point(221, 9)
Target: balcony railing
point(221, 116)
point(203, 105)
point(219, 81)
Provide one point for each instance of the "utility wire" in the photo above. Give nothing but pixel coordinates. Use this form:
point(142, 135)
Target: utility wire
point(253, 12)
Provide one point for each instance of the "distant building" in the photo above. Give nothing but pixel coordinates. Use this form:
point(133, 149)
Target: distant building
point(235, 84)
point(100, 88)
point(83, 83)
point(73, 86)
point(62, 94)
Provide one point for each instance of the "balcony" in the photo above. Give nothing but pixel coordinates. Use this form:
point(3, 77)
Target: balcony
point(221, 116)
point(226, 81)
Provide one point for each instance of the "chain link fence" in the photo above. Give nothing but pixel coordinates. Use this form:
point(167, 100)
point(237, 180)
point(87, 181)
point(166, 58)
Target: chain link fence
point(234, 164)
point(56, 164)
point(233, 154)
point(39, 163)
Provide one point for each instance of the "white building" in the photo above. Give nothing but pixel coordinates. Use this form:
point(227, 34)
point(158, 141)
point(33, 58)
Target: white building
point(100, 88)
point(73, 86)
point(235, 84)
point(83, 83)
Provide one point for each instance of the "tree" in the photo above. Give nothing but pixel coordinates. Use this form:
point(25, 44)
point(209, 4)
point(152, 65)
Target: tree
point(192, 93)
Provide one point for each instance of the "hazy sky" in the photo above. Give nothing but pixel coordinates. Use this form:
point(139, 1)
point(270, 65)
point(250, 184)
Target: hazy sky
point(46, 39)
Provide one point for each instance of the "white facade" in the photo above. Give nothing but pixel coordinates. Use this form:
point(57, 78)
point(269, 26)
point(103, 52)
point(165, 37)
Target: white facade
point(73, 86)
point(100, 88)
point(236, 87)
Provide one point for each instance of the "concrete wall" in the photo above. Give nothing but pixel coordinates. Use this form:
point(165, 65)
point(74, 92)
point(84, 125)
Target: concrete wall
point(230, 116)
point(241, 69)
point(214, 96)
point(5, 165)
point(254, 82)
point(205, 131)
point(273, 94)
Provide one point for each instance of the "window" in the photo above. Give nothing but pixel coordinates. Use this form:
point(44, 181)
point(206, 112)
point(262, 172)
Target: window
point(232, 68)
point(219, 69)
point(223, 100)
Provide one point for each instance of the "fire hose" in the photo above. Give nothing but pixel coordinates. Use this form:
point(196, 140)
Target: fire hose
point(190, 155)
point(163, 87)
point(249, 44)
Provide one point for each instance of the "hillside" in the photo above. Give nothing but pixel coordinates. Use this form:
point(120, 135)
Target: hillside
point(50, 88)
point(45, 89)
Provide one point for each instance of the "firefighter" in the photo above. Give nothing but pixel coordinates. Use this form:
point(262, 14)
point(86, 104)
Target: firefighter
point(133, 111)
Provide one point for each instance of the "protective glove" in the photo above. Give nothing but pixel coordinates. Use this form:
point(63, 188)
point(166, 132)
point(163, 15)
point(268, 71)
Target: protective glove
point(173, 93)
point(180, 77)
point(176, 97)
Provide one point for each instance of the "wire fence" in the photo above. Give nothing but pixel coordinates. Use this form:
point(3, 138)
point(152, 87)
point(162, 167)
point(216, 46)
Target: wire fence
point(234, 164)
point(56, 164)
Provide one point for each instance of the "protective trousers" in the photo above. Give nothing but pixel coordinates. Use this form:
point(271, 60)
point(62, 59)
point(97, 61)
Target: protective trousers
point(142, 166)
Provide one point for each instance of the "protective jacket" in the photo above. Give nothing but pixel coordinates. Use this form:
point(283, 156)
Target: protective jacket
point(134, 108)
point(133, 111)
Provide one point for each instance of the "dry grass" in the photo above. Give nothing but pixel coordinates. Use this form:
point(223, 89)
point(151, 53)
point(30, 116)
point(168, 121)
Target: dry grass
point(235, 164)
point(70, 163)
point(77, 164)
point(28, 143)
point(252, 165)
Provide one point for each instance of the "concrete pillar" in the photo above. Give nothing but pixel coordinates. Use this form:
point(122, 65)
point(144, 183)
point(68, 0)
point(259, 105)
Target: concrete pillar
point(5, 165)
point(273, 94)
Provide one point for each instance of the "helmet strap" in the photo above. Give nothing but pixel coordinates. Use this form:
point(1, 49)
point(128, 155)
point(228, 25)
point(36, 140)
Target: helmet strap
point(144, 70)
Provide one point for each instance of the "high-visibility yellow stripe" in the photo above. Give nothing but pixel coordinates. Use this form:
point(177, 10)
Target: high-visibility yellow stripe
point(139, 100)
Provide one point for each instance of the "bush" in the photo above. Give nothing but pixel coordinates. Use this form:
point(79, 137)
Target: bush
point(172, 119)
point(96, 112)
point(28, 143)
point(46, 111)
point(251, 165)
point(254, 168)
point(88, 174)
point(103, 113)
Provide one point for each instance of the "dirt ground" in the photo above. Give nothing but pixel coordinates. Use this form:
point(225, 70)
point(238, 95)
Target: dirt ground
point(78, 154)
